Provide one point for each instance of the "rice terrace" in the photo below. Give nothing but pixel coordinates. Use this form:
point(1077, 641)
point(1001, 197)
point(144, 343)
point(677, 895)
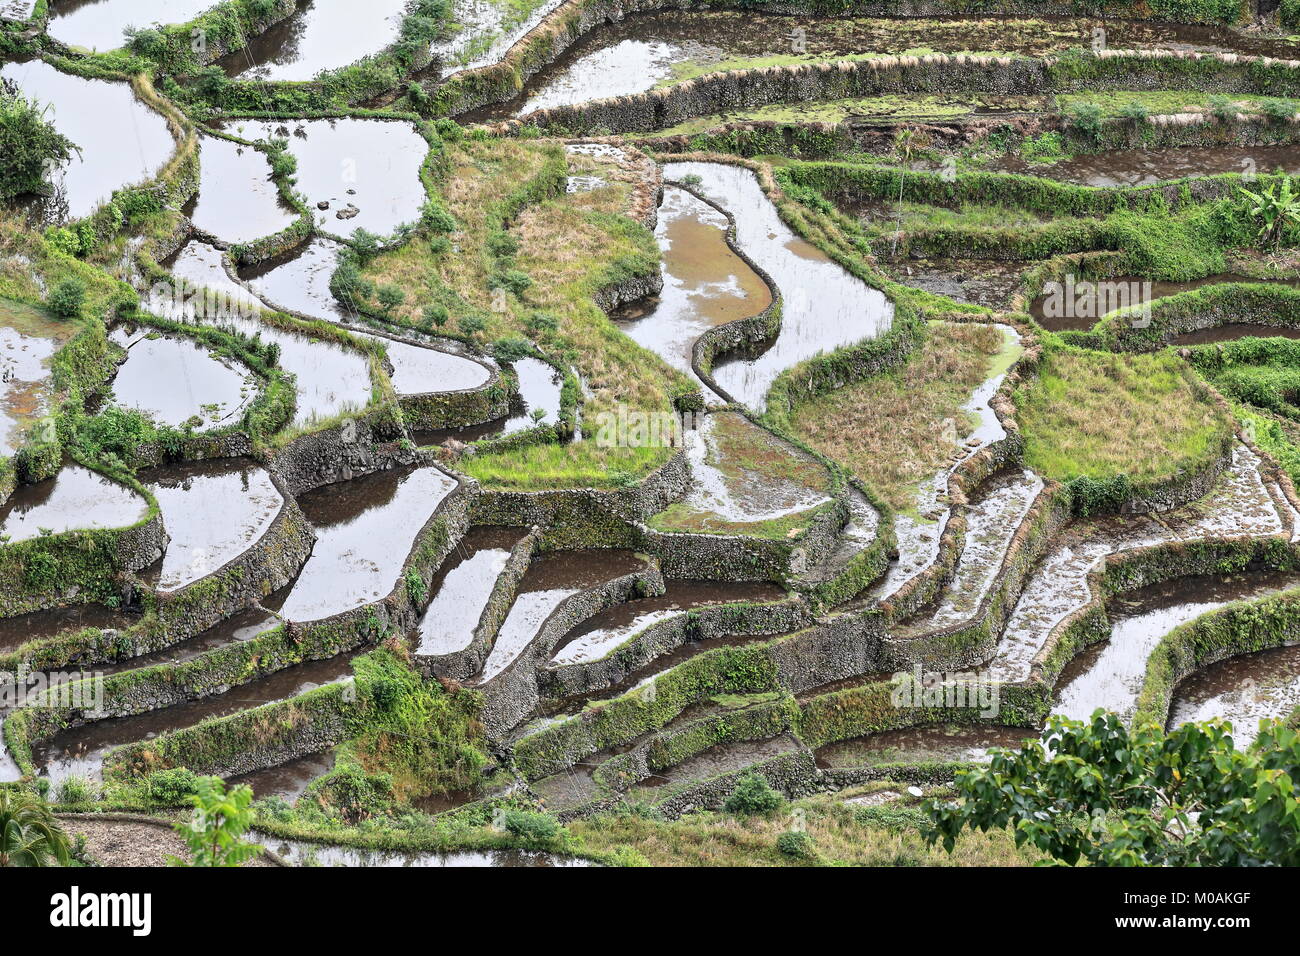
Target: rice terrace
point(647, 433)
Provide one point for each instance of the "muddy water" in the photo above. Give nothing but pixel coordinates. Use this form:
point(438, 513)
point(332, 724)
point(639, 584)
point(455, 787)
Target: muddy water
point(28, 340)
point(74, 499)
point(213, 512)
point(289, 780)
point(299, 281)
point(724, 492)
point(365, 529)
point(1239, 505)
point(177, 381)
point(322, 35)
point(922, 745)
point(1242, 690)
point(550, 579)
point(80, 752)
point(100, 24)
point(1140, 167)
point(823, 306)
point(919, 534)
point(418, 370)
point(992, 520)
point(17, 631)
point(321, 854)
point(462, 588)
point(237, 200)
point(1085, 308)
point(720, 759)
point(860, 531)
point(540, 385)
point(705, 283)
point(367, 170)
point(606, 631)
point(241, 626)
point(122, 141)
point(1110, 674)
point(328, 379)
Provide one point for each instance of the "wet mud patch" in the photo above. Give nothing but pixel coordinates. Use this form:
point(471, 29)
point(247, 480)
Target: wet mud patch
point(922, 745)
point(28, 340)
point(745, 480)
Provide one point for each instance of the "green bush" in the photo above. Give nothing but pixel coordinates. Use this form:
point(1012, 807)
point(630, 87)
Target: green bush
point(67, 298)
point(797, 844)
point(531, 827)
point(171, 787)
point(28, 143)
point(753, 795)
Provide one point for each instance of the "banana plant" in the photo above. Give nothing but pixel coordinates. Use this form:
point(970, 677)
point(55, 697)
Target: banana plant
point(1274, 207)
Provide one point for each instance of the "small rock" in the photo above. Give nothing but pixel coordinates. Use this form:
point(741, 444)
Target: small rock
point(348, 212)
point(323, 204)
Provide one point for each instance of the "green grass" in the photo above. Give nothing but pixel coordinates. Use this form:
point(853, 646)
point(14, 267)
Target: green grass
point(1097, 415)
point(897, 429)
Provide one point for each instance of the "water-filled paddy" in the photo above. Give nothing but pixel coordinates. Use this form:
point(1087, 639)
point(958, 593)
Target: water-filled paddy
point(237, 199)
point(366, 172)
point(28, 340)
point(321, 35)
point(74, 499)
point(121, 141)
point(365, 529)
point(177, 381)
point(461, 590)
point(101, 24)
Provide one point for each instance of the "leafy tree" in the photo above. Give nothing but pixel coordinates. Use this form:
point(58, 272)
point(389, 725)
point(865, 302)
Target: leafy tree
point(1114, 796)
point(220, 818)
point(29, 833)
point(29, 144)
point(390, 297)
point(1275, 208)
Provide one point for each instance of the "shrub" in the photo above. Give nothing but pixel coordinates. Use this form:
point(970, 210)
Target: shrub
point(171, 787)
point(511, 349)
point(435, 315)
point(76, 790)
point(437, 219)
point(531, 827)
point(390, 297)
point(67, 298)
point(28, 143)
point(1086, 118)
point(753, 795)
point(798, 844)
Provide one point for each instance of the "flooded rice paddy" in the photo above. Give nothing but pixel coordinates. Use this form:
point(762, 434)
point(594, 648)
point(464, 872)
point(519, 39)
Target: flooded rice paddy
point(705, 283)
point(355, 173)
point(102, 24)
point(237, 199)
point(213, 511)
point(1243, 690)
point(947, 744)
point(605, 632)
point(179, 382)
point(321, 35)
point(120, 141)
point(74, 499)
point(1110, 674)
point(823, 306)
point(1142, 167)
point(365, 529)
point(549, 581)
point(461, 590)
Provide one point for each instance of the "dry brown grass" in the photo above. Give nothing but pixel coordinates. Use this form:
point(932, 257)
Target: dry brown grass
point(898, 429)
point(842, 834)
